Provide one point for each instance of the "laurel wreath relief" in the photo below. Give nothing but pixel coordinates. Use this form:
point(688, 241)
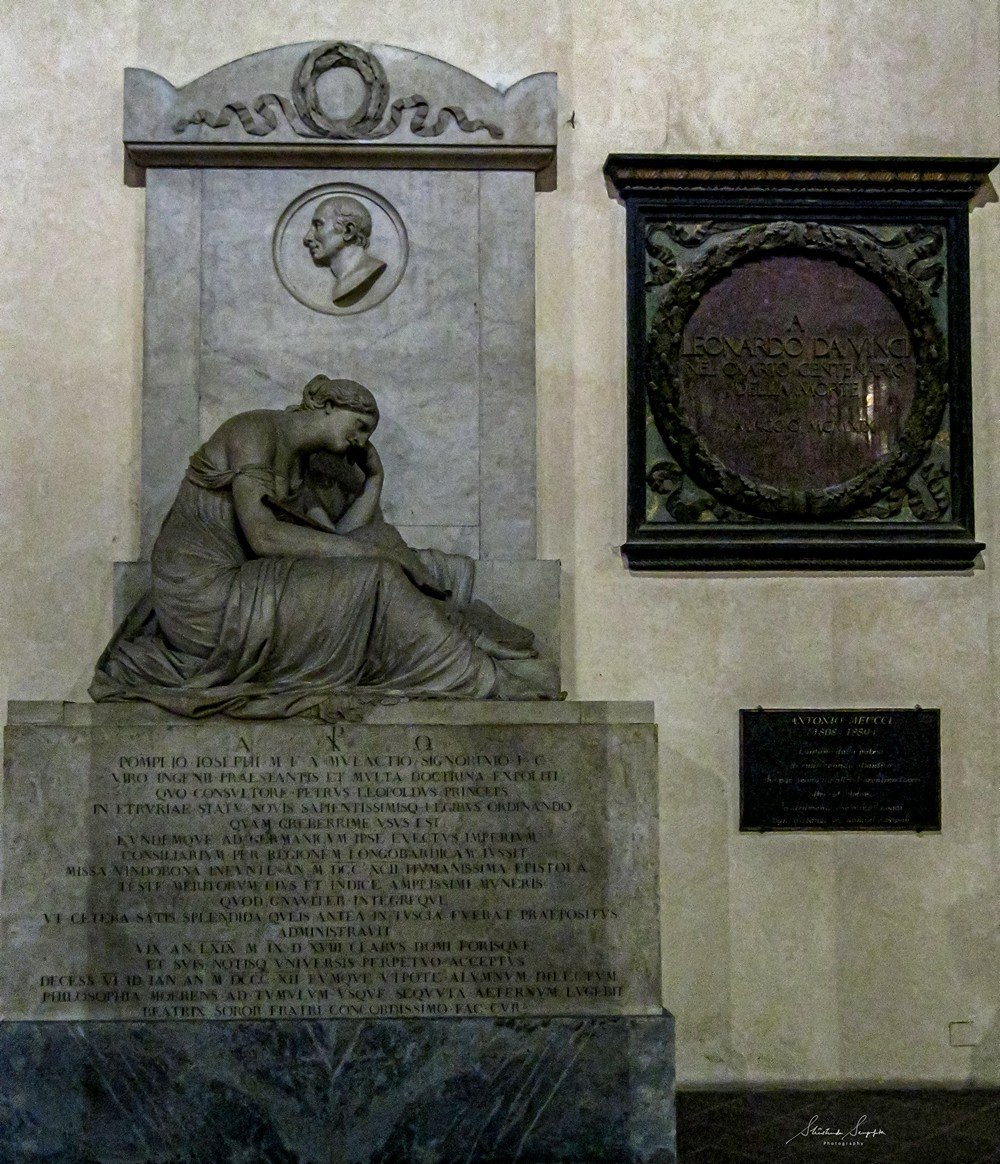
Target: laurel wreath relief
point(305, 116)
point(682, 292)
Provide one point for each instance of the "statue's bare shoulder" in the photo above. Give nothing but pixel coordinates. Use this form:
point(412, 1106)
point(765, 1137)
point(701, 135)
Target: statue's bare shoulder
point(249, 438)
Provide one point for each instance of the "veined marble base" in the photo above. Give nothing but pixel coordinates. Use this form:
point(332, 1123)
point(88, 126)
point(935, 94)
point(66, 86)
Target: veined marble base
point(478, 859)
point(433, 1091)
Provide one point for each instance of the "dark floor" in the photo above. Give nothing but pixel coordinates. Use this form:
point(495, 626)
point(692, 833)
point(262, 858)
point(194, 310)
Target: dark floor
point(922, 1126)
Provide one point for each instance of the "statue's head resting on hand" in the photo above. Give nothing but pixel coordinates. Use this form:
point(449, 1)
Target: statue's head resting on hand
point(338, 237)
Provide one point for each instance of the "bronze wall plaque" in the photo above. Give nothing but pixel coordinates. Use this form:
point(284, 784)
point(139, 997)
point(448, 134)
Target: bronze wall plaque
point(799, 386)
point(866, 769)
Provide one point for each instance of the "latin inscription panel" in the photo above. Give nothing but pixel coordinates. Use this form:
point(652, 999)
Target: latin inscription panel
point(287, 871)
point(825, 769)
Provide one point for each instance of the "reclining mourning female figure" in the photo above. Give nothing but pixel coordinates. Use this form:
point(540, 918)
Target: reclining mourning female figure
point(277, 584)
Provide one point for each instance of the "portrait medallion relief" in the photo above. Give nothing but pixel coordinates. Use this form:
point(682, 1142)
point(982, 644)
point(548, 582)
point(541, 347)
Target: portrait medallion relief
point(340, 248)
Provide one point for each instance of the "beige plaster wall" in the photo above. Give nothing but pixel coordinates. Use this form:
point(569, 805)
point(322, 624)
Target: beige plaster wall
point(787, 957)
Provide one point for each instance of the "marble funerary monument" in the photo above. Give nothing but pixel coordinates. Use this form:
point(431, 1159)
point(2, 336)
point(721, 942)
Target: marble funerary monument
point(328, 863)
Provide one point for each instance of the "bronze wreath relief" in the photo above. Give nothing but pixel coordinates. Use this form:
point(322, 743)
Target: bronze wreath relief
point(919, 416)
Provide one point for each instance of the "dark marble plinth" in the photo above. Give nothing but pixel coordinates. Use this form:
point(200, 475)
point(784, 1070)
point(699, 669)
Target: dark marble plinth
point(437, 1091)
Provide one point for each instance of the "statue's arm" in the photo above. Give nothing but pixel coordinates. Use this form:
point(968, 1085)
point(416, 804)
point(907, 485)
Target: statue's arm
point(269, 538)
point(364, 509)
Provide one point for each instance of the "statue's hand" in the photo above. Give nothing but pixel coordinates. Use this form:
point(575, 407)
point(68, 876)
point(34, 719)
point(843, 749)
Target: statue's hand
point(372, 464)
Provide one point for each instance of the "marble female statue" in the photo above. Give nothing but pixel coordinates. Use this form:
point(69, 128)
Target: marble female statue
point(277, 585)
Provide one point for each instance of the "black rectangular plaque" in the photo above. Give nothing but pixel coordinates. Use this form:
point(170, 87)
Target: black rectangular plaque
point(854, 769)
point(799, 390)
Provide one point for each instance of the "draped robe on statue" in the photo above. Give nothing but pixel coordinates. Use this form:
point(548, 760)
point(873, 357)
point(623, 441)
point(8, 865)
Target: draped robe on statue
point(224, 630)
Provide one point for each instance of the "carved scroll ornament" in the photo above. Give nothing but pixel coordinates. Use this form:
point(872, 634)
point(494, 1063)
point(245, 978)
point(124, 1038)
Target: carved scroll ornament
point(306, 117)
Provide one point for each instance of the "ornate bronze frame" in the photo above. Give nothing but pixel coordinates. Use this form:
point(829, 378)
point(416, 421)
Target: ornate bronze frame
point(888, 219)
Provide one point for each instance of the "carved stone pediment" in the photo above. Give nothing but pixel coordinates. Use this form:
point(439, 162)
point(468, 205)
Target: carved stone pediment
point(315, 104)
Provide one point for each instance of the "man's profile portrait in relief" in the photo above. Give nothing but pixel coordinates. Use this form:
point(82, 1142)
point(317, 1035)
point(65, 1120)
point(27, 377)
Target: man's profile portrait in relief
point(338, 237)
